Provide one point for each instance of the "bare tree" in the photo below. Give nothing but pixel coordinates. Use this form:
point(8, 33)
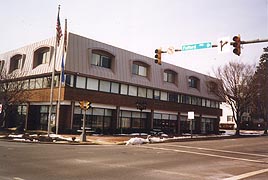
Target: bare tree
point(234, 81)
point(12, 93)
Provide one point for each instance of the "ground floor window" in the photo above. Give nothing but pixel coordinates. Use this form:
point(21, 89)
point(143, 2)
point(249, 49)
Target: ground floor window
point(97, 119)
point(185, 124)
point(132, 120)
point(44, 116)
point(165, 122)
point(207, 125)
point(22, 112)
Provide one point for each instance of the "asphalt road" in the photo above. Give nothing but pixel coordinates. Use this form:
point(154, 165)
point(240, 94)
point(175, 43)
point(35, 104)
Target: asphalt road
point(243, 158)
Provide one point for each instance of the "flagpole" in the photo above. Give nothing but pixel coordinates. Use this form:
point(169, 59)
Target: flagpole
point(61, 77)
point(52, 80)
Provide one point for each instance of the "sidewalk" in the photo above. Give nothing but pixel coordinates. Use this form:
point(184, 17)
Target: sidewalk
point(129, 139)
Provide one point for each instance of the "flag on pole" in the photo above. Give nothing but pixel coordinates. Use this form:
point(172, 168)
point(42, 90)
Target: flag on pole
point(65, 36)
point(62, 70)
point(64, 50)
point(58, 28)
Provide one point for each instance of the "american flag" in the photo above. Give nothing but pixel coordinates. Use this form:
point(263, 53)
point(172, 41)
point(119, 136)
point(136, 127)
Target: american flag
point(58, 28)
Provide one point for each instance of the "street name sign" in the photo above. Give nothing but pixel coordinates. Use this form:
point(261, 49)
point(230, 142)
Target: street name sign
point(196, 46)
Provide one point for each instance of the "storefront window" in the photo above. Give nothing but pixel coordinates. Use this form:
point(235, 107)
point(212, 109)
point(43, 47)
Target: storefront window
point(125, 122)
point(207, 125)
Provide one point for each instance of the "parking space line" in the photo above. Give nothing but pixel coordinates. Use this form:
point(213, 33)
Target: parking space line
point(246, 175)
point(203, 154)
point(218, 150)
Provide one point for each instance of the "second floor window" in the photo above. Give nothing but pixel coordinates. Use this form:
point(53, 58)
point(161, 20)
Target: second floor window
point(101, 60)
point(16, 62)
point(139, 70)
point(193, 82)
point(41, 56)
point(169, 76)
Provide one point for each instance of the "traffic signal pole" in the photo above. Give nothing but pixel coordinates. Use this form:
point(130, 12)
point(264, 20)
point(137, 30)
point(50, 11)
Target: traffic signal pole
point(253, 41)
point(233, 43)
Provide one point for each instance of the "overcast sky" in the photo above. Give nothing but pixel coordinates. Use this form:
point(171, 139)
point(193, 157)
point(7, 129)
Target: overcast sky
point(142, 26)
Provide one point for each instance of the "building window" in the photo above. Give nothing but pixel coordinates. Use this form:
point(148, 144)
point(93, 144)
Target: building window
point(188, 99)
point(139, 69)
point(114, 87)
point(156, 94)
point(149, 93)
point(169, 76)
point(39, 83)
point(207, 125)
point(164, 96)
point(92, 84)
point(41, 56)
point(132, 91)
point(102, 59)
point(47, 82)
point(173, 97)
point(16, 62)
point(44, 116)
point(230, 119)
point(142, 92)
point(69, 80)
point(80, 82)
point(124, 89)
point(213, 104)
point(2, 63)
point(105, 86)
point(193, 82)
point(208, 103)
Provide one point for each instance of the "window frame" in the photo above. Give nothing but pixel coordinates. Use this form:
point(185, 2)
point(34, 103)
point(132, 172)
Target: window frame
point(140, 69)
point(170, 76)
point(45, 52)
point(194, 82)
point(101, 58)
point(16, 62)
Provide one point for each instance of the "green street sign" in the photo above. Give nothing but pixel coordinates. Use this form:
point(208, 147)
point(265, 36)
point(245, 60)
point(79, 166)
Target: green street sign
point(196, 46)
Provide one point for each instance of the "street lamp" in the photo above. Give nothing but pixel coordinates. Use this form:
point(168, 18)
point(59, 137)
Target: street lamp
point(141, 105)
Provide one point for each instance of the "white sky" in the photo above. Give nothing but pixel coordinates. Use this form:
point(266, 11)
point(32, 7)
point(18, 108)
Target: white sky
point(142, 26)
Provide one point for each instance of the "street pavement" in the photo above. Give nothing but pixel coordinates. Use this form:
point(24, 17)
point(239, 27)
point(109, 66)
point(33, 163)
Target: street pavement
point(241, 158)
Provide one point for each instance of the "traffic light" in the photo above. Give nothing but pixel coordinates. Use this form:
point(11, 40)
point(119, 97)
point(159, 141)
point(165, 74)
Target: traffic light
point(237, 45)
point(81, 104)
point(84, 105)
point(88, 105)
point(158, 56)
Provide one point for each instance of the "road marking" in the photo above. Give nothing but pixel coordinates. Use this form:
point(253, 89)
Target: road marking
point(218, 150)
point(204, 154)
point(246, 175)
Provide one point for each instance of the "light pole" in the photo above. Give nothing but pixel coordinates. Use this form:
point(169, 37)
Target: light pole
point(84, 105)
point(141, 105)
